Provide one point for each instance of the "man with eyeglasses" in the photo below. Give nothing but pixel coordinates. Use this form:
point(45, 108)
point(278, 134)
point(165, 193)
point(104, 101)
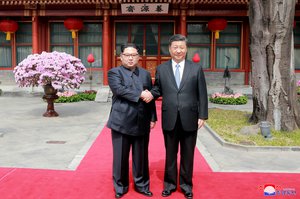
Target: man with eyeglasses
point(130, 122)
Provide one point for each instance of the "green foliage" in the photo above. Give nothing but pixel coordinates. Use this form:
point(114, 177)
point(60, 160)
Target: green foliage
point(229, 101)
point(85, 96)
point(228, 123)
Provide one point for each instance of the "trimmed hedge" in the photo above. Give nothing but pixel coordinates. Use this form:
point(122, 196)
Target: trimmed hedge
point(229, 101)
point(85, 96)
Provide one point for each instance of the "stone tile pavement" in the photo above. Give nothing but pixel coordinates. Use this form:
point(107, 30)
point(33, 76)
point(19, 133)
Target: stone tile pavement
point(29, 140)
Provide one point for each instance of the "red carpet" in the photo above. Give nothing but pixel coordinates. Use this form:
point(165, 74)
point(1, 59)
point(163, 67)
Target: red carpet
point(93, 178)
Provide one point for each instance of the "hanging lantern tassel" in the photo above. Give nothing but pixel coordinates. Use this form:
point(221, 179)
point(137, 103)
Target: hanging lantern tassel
point(8, 36)
point(217, 34)
point(73, 33)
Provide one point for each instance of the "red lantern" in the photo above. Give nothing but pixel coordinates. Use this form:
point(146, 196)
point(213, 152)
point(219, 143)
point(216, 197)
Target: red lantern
point(8, 26)
point(74, 25)
point(217, 25)
point(196, 58)
point(90, 58)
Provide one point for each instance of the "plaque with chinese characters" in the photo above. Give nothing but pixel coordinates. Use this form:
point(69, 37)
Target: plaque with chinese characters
point(144, 8)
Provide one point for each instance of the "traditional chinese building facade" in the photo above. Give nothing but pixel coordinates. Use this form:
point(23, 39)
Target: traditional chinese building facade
point(218, 30)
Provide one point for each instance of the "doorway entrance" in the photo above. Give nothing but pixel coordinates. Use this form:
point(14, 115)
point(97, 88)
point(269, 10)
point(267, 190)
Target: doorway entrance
point(152, 39)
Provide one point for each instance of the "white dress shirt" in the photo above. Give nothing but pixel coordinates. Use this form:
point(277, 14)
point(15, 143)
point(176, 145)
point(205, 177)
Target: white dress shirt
point(181, 68)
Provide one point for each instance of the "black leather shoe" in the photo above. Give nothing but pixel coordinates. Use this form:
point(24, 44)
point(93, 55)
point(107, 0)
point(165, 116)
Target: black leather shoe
point(188, 195)
point(167, 193)
point(146, 193)
point(119, 195)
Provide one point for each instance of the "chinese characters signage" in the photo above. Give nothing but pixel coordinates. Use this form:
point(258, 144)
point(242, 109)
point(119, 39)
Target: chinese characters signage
point(144, 8)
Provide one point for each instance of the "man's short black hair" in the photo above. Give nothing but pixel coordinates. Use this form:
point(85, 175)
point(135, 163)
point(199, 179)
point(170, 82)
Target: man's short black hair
point(127, 45)
point(177, 37)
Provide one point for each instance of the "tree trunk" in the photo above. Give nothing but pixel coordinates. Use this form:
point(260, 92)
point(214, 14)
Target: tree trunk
point(273, 73)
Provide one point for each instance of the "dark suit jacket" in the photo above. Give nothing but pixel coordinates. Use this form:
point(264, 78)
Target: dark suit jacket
point(190, 100)
point(129, 114)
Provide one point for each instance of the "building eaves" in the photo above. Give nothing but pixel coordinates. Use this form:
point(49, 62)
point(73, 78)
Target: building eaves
point(57, 2)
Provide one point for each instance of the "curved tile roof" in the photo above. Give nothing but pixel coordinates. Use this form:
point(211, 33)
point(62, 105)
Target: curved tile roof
point(52, 2)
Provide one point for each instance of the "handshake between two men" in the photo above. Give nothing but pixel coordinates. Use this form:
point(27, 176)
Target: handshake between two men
point(146, 96)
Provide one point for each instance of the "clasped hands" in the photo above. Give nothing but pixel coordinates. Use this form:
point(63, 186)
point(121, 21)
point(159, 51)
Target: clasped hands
point(146, 96)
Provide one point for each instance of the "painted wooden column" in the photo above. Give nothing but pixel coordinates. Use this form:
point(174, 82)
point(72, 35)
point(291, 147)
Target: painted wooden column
point(106, 46)
point(76, 44)
point(183, 23)
point(35, 38)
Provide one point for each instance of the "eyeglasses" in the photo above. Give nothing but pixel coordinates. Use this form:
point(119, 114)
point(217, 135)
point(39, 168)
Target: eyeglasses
point(130, 55)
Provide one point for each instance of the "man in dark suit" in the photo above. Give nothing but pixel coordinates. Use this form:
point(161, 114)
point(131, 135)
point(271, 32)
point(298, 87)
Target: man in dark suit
point(130, 121)
point(181, 83)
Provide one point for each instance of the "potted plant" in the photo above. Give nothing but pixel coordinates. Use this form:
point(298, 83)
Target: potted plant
point(52, 70)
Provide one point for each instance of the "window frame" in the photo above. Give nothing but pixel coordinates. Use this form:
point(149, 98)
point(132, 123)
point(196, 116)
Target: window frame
point(213, 48)
point(92, 44)
point(10, 45)
point(23, 44)
point(75, 45)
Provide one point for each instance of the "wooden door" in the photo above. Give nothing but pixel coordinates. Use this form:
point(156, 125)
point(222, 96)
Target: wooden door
point(152, 39)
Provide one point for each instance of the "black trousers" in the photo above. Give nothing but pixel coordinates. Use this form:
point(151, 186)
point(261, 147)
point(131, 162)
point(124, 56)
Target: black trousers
point(187, 141)
point(140, 163)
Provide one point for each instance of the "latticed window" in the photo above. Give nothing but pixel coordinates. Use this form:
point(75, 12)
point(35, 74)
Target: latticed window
point(89, 41)
point(5, 51)
point(199, 40)
point(23, 41)
point(152, 38)
point(215, 54)
point(60, 38)
point(228, 47)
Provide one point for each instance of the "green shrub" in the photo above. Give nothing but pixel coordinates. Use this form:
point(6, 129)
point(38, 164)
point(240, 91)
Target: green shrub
point(85, 96)
point(229, 101)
